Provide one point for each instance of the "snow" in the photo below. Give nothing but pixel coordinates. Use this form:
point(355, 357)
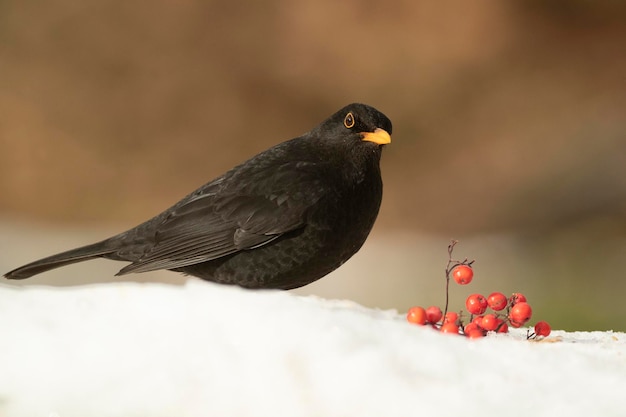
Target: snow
point(131, 349)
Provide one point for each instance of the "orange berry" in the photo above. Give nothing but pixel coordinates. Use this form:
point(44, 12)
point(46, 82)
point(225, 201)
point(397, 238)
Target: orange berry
point(520, 313)
point(517, 297)
point(475, 334)
point(502, 327)
point(478, 320)
point(450, 328)
point(433, 314)
point(497, 301)
point(542, 328)
point(462, 274)
point(469, 327)
point(416, 315)
point(451, 317)
point(476, 304)
point(489, 322)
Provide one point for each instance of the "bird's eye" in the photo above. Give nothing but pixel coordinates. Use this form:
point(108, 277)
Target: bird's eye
point(349, 121)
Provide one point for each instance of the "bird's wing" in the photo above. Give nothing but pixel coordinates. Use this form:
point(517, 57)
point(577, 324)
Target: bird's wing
point(232, 214)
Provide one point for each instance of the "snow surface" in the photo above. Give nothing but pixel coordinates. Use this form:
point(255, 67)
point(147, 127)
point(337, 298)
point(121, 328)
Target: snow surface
point(201, 349)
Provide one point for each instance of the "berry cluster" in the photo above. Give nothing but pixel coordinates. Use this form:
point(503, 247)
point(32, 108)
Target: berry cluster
point(513, 311)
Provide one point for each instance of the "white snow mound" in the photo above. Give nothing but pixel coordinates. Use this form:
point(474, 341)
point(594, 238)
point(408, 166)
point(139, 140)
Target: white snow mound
point(208, 350)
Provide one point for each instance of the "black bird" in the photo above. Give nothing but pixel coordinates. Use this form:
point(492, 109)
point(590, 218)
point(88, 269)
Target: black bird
point(283, 219)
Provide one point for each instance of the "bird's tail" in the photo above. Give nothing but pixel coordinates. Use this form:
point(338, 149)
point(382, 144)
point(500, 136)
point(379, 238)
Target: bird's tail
point(83, 253)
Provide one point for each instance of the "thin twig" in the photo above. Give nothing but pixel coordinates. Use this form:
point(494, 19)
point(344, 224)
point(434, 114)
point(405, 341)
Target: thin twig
point(452, 263)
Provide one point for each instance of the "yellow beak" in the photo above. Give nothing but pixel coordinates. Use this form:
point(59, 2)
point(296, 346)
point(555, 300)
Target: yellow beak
point(379, 136)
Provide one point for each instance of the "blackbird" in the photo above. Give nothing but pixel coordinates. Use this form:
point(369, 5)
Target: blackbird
point(283, 219)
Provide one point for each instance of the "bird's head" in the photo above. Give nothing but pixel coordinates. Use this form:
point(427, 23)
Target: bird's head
point(358, 122)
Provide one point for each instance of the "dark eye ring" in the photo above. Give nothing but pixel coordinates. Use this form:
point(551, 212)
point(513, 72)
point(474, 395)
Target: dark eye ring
point(349, 121)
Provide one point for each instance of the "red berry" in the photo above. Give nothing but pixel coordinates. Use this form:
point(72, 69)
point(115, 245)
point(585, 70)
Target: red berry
point(542, 328)
point(433, 314)
point(517, 297)
point(475, 334)
point(469, 327)
point(463, 274)
point(520, 313)
point(502, 327)
point(489, 322)
point(478, 320)
point(451, 317)
point(497, 301)
point(476, 304)
point(450, 328)
point(416, 315)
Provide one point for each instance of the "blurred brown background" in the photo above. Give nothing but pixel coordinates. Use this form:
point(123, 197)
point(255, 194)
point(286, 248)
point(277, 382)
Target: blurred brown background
point(509, 132)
